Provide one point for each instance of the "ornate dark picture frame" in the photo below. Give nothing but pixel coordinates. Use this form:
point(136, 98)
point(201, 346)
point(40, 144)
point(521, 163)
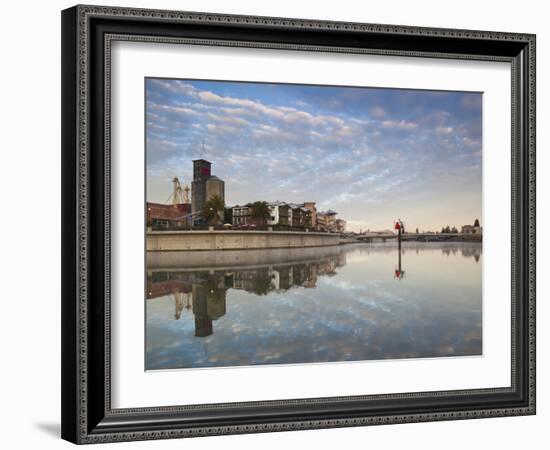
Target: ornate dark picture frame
point(87, 34)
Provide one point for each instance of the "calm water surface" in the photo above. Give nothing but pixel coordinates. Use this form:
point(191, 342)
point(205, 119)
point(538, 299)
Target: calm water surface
point(344, 303)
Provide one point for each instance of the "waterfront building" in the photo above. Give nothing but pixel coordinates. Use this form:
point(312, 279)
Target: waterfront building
point(280, 214)
point(284, 215)
point(306, 218)
point(313, 209)
point(471, 229)
point(321, 222)
point(214, 186)
point(340, 225)
point(167, 216)
point(326, 221)
point(204, 186)
point(241, 215)
point(299, 217)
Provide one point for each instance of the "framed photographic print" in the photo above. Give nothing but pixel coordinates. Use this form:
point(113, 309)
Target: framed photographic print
point(280, 224)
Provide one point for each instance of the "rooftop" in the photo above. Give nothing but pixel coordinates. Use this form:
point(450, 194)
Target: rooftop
point(276, 203)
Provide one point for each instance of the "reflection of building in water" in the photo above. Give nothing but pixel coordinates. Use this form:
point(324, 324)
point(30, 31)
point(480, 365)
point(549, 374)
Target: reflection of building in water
point(208, 305)
point(275, 279)
point(182, 300)
point(311, 280)
point(258, 280)
point(203, 292)
point(280, 278)
point(467, 251)
point(263, 280)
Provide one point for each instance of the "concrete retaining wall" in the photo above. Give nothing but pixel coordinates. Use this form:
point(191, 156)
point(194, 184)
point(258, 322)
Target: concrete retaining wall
point(181, 261)
point(235, 240)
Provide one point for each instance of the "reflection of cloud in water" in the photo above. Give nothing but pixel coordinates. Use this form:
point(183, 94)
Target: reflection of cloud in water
point(360, 312)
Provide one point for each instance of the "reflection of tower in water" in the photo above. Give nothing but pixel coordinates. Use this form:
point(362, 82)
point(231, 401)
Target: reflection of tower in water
point(208, 305)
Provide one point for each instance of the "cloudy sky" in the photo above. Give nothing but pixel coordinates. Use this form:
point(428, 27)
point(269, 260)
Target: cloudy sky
point(373, 155)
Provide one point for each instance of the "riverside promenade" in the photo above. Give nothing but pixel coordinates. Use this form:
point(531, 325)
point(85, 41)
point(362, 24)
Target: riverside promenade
point(162, 241)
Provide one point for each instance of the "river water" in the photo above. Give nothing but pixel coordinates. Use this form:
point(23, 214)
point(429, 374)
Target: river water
point(344, 303)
